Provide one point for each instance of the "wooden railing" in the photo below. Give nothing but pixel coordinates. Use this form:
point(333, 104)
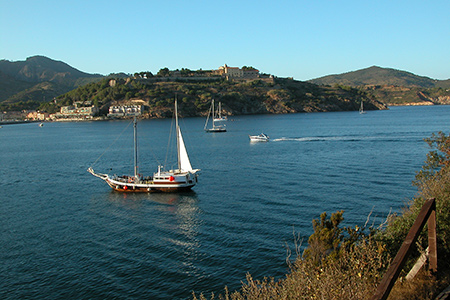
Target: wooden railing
point(427, 213)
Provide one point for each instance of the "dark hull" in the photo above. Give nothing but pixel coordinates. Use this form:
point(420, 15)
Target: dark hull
point(215, 130)
point(165, 188)
point(153, 190)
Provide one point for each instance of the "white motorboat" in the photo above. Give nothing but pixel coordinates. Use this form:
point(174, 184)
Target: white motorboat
point(259, 138)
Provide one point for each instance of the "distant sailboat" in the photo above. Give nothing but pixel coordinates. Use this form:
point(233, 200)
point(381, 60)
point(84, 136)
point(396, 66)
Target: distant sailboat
point(361, 109)
point(181, 179)
point(214, 128)
point(218, 117)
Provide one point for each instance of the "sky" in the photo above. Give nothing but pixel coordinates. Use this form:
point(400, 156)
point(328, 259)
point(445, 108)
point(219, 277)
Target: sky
point(299, 39)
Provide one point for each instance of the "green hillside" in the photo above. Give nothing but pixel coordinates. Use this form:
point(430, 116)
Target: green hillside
point(35, 82)
point(37, 79)
point(393, 87)
point(377, 76)
point(238, 97)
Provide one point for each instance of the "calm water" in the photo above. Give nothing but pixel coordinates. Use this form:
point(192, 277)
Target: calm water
point(65, 234)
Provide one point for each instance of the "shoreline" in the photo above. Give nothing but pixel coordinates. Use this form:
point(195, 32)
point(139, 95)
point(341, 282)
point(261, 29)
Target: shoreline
point(104, 118)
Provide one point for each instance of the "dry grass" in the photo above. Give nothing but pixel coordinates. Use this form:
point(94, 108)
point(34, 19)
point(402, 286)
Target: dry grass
point(354, 276)
point(422, 287)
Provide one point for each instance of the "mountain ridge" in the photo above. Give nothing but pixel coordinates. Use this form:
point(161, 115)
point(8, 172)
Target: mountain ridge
point(376, 75)
point(40, 68)
point(38, 78)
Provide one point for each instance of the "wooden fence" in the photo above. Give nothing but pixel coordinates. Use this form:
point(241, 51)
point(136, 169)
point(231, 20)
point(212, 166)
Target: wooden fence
point(427, 213)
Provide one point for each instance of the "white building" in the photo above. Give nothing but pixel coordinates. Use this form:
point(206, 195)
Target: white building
point(125, 110)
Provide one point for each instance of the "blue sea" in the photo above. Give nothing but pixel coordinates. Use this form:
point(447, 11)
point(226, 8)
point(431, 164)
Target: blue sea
point(66, 234)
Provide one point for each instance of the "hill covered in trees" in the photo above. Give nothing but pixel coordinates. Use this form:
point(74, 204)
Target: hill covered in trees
point(237, 97)
point(37, 81)
point(393, 87)
point(381, 76)
point(24, 84)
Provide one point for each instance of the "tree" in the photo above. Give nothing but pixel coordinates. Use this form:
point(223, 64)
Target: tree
point(164, 72)
point(185, 71)
point(327, 237)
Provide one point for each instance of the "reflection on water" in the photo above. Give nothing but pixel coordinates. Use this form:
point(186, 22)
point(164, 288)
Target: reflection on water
point(163, 227)
point(172, 198)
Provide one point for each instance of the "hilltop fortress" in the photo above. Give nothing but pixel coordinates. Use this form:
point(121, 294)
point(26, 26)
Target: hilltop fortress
point(235, 72)
point(229, 73)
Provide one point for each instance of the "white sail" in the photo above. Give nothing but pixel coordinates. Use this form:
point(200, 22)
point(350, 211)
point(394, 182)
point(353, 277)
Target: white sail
point(361, 109)
point(185, 164)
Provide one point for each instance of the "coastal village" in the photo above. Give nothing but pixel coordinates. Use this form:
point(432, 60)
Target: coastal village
point(86, 110)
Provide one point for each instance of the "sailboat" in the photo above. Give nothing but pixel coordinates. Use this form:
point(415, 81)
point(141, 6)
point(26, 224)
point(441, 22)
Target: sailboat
point(181, 179)
point(214, 128)
point(218, 117)
point(361, 109)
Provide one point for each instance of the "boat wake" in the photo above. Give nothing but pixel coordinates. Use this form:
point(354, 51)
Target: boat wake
point(336, 138)
point(317, 139)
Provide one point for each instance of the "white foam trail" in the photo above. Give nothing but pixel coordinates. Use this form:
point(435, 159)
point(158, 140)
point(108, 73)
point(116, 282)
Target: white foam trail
point(335, 138)
point(307, 139)
point(319, 139)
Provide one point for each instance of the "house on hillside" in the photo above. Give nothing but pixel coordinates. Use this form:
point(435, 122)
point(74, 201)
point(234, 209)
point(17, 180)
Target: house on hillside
point(37, 116)
point(76, 112)
point(238, 73)
point(125, 110)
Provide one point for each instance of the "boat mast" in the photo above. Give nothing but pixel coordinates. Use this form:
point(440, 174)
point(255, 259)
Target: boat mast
point(212, 114)
point(178, 134)
point(207, 118)
point(135, 149)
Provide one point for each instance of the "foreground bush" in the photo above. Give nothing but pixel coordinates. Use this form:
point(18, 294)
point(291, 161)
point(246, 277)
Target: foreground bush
point(433, 181)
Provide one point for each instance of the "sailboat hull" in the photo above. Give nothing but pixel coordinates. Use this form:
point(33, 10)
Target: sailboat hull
point(151, 189)
point(216, 129)
point(150, 186)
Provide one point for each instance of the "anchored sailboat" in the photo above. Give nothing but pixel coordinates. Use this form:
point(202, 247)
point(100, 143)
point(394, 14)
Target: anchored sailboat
point(181, 179)
point(361, 109)
point(214, 128)
point(218, 117)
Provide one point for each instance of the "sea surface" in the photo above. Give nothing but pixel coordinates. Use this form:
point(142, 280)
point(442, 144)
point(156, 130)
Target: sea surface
point(66, 234)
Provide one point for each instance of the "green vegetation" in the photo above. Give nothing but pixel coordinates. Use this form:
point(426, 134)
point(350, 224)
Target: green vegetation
point(394, 95)
point(26, 84)
point(18, 106)
point(392, 87)
point(237, 97)
point(378, 76)
point(348, 263)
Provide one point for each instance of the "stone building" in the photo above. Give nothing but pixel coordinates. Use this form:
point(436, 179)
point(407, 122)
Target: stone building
point(37, 116)
point(237, 73)
point(73, 111)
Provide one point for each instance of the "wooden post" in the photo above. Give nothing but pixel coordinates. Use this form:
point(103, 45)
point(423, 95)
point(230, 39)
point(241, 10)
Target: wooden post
point(432, 242)
point(428, 211)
